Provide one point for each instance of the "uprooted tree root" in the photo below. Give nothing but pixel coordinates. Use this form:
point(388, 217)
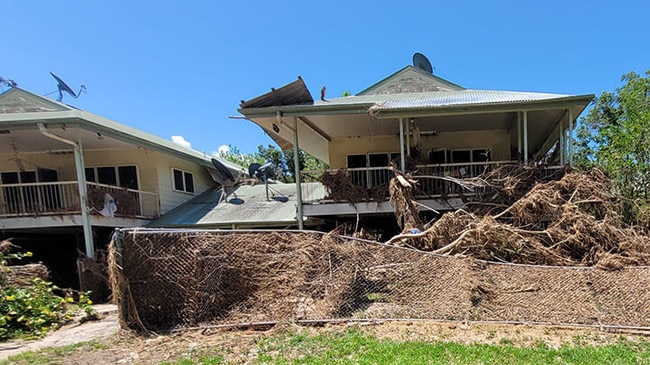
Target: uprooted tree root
point(571, 221)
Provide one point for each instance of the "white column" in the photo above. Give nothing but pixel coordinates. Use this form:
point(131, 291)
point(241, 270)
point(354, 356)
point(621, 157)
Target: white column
point(525, 137)
point(83, 200)
point(570, 113)
point(401, 145)
point(519, 135)
point(296, 169)
point(408, 138)
point(561, 140)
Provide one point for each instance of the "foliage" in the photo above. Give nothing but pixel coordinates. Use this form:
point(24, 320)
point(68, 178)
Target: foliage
point(283, 160)
point(614, 136)
point(33, 310)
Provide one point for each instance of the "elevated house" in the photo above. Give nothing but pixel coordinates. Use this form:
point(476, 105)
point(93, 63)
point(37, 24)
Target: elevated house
point(424, 124)
point(69, 177)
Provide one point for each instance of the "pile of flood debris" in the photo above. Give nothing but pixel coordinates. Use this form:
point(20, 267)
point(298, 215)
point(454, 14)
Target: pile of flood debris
point(18, 275)
point(523, 215)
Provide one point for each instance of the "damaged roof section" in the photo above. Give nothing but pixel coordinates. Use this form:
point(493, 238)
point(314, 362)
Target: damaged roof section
point(246, 207)
point(295, 93)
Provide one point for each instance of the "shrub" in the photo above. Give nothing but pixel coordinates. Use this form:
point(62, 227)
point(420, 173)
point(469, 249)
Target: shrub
point(32, 310)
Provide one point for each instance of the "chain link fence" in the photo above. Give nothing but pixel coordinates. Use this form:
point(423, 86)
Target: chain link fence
point(171, 279)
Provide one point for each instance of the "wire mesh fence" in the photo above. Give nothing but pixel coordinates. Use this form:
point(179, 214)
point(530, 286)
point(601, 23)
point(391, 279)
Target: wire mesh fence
point(170, 279)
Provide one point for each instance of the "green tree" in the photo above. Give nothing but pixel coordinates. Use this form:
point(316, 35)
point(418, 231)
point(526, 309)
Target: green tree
point(240, 158)
point(615, 136)
point(282, 160)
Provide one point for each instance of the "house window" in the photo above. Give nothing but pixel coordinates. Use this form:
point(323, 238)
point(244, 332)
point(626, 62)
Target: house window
point(356, 161)
point(460, 156)
point(124, 176)
point(183, 181)
point(438, 156)
point(31, 198)
point(369, 170)
point(470, 155)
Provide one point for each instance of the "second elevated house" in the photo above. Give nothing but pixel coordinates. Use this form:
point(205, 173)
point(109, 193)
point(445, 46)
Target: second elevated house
point(422, 124)
point(68, 178)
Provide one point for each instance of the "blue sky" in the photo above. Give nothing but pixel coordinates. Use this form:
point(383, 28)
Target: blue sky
point(182, 67)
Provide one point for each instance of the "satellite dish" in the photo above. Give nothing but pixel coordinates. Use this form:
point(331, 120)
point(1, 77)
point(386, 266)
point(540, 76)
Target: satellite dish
point(262, 172)
point(420, 61)
point(64, 87)
point(225, 173)
point(8, 82)
point(265, 172)
point(252, 169)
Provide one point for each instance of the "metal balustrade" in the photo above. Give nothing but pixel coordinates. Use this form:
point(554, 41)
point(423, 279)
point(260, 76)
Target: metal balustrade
point(430, 177)
point(55, 198)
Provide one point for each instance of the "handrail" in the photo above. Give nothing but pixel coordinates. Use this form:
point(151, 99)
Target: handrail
point(62, 197)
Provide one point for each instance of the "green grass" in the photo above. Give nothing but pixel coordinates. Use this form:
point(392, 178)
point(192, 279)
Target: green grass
point(353, 346)
point(49, 355)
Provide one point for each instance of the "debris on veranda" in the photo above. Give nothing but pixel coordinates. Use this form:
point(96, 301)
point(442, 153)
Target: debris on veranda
point(522, 215)
point(341, 189)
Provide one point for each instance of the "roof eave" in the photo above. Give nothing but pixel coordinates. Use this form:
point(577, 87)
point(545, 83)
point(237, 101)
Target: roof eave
point(570, 101)
point(83, 120)
point(304, 110)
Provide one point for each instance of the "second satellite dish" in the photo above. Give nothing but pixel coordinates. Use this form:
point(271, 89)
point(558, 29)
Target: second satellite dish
point(226, 175)
point(64, 87)
point(420, 61)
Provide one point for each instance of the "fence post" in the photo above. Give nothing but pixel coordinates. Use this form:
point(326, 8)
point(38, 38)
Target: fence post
point(118, 236)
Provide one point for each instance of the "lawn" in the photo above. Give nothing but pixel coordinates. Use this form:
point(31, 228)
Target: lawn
point(339, 345)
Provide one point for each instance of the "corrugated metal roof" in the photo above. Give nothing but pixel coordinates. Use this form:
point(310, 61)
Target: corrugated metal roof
point(440, 99)
point(250, 209)
point(295, 93)
point(87, 120)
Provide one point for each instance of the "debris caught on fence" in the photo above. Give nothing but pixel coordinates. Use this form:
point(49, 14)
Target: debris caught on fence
point(167, 279)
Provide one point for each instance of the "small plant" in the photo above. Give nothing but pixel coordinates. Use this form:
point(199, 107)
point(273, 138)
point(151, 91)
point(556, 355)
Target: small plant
point(33, 310)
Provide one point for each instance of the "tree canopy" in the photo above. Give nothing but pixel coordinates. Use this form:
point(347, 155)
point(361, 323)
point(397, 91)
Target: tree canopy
point(615, 136)
point(282, 160)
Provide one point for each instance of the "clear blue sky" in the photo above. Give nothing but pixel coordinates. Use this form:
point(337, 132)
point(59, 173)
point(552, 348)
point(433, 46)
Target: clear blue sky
point(181, 67)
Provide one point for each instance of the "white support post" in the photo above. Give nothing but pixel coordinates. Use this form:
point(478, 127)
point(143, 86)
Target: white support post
point(296, 165)
point(401, 145)
point(525, 137)
point(570, 137)
point(408, 138)
point(81, 184)
point(519, 135)
point(83, 199)
point(561, 140)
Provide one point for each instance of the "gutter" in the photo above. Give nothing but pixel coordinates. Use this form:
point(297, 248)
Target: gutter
point(81, 183)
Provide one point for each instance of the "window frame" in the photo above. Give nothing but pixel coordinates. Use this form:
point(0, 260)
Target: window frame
point(184, 178)
point(116, 169)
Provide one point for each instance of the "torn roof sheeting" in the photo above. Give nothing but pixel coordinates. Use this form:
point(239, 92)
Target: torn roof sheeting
point(295, 93)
